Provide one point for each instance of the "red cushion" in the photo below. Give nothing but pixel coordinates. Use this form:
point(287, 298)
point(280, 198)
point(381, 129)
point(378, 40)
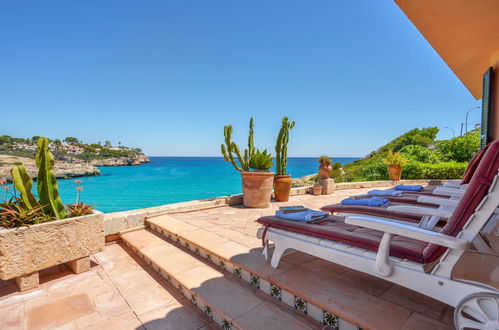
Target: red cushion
point(374, 211)
point(337, 230)
point(473, 164)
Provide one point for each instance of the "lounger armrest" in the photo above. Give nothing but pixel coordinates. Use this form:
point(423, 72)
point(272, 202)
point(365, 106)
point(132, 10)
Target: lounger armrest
point(438, 201)
point(396, 228)
point(451, 192)
point(419, 210)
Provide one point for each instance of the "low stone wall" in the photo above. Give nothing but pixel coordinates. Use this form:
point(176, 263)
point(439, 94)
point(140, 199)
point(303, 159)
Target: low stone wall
point(117, 222)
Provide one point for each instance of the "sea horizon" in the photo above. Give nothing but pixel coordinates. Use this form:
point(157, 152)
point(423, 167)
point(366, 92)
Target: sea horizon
point(169, 179)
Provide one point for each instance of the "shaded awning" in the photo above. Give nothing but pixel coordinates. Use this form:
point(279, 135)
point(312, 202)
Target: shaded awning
point(465, 33)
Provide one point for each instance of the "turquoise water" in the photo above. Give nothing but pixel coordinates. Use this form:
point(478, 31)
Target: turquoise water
point(167, 180)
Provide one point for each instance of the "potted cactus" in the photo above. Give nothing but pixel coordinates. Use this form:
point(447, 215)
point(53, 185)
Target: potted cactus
point(394, 162)
point(325, 167)
point(254, 166)
point(282, 180)
point(39, 233)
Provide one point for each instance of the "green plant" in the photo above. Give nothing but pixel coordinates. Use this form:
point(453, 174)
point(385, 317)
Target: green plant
point(460, 148)
point(47, 183)
point(419, 153)
point(281, 146)
point(395, 159)
point(261, 161)
point(23, 183)
point(423, 137)
point(445, 170)
point(14, 213)
point(79, 209)
point(230, 148)
point(317, 185)
point(324, 160)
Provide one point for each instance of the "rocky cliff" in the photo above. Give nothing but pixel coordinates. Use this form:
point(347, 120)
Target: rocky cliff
point(61, 169)
point(120, 161)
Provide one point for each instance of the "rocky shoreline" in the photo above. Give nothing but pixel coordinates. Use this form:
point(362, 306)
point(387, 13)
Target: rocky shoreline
point(64, 169)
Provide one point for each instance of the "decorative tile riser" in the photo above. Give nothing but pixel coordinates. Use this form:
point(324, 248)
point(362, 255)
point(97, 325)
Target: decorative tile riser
point(192, 296)
point(318, 314)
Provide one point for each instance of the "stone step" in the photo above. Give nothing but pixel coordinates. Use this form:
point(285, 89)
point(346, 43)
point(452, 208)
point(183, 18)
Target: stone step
point(231, 303)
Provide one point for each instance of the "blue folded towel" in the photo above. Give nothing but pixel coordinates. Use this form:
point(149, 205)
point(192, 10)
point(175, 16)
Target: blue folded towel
point(408, 187)
point(372, 201)
point(388, 192)
point(307, 216)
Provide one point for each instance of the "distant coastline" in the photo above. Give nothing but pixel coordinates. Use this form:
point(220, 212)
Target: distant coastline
point(73, 157)
point(64, 169)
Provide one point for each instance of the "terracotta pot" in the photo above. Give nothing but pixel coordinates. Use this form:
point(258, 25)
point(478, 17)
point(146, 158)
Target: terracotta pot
point(257, 188)
point(317, 191)
point(325, 171)
point(395, 172)
point(282, 187)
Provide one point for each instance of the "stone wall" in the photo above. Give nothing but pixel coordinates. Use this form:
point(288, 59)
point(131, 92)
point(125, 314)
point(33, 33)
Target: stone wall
point(117, 222)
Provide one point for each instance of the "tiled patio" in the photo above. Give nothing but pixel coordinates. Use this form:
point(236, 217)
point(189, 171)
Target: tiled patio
point(119, 292)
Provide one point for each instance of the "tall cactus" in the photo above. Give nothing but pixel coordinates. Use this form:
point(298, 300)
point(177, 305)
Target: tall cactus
point(281, 146)
point(230, 148)
point(47, 183)
point(23, 184)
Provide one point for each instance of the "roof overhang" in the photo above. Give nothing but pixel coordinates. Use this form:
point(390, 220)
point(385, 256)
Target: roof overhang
point(465, 33)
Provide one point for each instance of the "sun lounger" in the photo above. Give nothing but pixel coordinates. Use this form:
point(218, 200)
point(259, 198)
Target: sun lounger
point(441, 264)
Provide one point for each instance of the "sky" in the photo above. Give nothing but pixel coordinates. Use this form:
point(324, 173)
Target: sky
point(166, 76)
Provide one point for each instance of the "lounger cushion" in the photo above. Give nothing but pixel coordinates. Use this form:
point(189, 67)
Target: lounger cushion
point(374, 211)
point(473, 164)
point(336, 230)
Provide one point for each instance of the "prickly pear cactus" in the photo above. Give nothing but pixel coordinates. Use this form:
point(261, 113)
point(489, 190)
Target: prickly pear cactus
point(47, 183)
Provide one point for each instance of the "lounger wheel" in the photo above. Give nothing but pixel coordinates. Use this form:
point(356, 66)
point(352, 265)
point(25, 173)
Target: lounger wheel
point(478, 311)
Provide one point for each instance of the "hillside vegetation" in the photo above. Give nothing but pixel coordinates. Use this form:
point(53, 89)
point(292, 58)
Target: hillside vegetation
point(427, 157)
point(67, 149)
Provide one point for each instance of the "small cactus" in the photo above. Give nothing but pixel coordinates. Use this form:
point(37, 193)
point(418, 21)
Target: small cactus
point(281, 146)
point(47, 183)
point(230, 148)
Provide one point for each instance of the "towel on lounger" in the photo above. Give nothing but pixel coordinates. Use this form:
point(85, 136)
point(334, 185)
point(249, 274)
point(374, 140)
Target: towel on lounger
point(388, 192)
point(408, 187)
point(306, 216)
point(372, 201)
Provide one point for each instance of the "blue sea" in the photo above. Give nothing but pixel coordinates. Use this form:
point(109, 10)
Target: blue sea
point(168, 180)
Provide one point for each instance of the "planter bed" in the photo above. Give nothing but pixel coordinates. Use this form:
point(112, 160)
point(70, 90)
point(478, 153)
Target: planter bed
point(26, 250)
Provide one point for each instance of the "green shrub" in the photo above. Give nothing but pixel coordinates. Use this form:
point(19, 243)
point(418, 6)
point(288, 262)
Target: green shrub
point(374, 172)
point(446, 170)
point(460, 148)
point(420, 154)
point(422, 137)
